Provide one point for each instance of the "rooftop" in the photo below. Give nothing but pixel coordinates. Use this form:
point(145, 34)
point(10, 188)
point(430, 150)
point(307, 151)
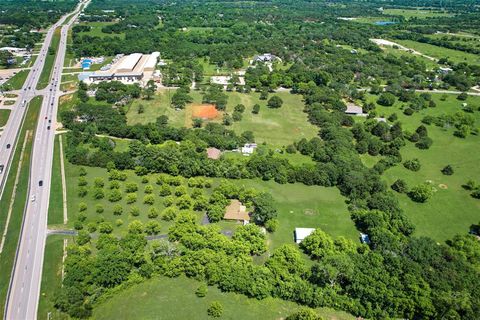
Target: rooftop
point(302, 233)
point(236, 211)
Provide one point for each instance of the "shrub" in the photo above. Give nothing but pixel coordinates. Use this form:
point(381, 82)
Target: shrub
point(99, 182)
point(184, 202)
point(119, 222)
point(271, 225)
point(421, 192)
point(201, 290)
point(169, 213)
point(115, 196)
point(275, 102)
point(134, 211)
point(180, 191)
point(145, 180)
point(114, 185)
point(236, 116)
point(82, 216)
point(131, 187)
point(215, 310)
point(169, 201)
point(149, 199)
point(98, 193)
point(82, 182)
point(152, 227)
point(400, 186)
point(82, 192)
point(99, 208)
point(256, 108)
point(82, 206)
point(470, 185)
point(82, 172)
point(462, 96)
point(117, 210)
point(413, 164)
point(386, 99)
point(152, 213)
point(424, 143)
point(78, 225)
point(408, 111)
point(92, 227)
point(131, 198)
point(105, 227)
point(148, 189)
point(165, 190)
point(447, 170)
point(476, 194)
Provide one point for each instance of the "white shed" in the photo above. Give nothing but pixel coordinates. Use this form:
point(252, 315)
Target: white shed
point(302, 233)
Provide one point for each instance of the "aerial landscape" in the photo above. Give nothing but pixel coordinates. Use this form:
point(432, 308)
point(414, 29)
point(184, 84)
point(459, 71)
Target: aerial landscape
point(214, 159)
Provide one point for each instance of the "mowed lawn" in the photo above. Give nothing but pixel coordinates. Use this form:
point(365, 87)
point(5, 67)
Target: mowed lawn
point(301, 206)
point(415, 13)
point(450, 211)
point(277, 127)
point(440, 52)
point(174, 298)
point(96, 30)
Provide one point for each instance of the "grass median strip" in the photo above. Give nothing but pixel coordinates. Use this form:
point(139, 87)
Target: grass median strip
point(49, 60)
point(11, 240)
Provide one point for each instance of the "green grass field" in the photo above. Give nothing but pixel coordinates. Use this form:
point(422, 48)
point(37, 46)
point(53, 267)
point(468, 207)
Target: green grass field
point(16, 82)
point(416, 13)
point(49, 61)
point(277, 127)
point(96, 30)
point(8, 255)
point(55, 209)
point(166, 298)
point(4, 115)
point(51, 278)
point(452, 210)
point(301, 206)
point(440, 52)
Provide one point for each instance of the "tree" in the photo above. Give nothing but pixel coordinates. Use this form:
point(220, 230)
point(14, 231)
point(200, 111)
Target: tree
point(413, 164)
point(227, 119)
point(149, 199)
point(83, 237)
point(252, 236)
point(462, 96)
point(215, 310)
point(264, 209)
point(105, 227)
point(386, 99)
point(256, 108)
point(131, 187)
point(236, 116)
point(180, 98)
point(115, 196)
point(141, 109)
point(318, 244)
point(447, 170)
point(131, 198)
point(304, 314)
point(421, 192)
point(275, 102)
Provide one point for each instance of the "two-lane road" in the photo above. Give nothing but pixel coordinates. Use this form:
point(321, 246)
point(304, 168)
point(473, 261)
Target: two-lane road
point(24, 291)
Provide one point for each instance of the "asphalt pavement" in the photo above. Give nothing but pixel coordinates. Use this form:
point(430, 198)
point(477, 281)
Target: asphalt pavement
point(24, 290)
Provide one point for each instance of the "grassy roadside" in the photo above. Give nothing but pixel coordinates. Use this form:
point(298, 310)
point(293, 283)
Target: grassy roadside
point(8, 255)
point(51, 278)
point(17, 81)
point(55, 209)
point(49, 60)
point(4, 115)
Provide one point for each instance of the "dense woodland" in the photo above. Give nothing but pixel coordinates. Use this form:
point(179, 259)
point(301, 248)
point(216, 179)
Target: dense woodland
point(396, 276)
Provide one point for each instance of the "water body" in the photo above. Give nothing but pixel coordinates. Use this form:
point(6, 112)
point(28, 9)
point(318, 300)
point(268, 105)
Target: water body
point(384, 23)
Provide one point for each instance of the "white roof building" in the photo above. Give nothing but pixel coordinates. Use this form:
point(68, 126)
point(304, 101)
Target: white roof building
point(302, 233)
point(129, 62)
point(353, 109)
point(248, 148)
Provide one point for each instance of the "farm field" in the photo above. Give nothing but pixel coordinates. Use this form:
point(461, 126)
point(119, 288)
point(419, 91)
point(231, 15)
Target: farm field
point(277, 127)
point(440, 52)
point(174, 298)
point(451, 210)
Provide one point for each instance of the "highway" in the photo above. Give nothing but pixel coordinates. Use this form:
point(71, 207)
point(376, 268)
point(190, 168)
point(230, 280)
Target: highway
point(24, 290)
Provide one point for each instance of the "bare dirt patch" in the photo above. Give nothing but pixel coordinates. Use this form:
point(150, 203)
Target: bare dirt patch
point(204, 111)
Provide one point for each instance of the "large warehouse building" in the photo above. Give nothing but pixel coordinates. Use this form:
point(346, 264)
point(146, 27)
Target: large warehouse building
point(134, 68)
